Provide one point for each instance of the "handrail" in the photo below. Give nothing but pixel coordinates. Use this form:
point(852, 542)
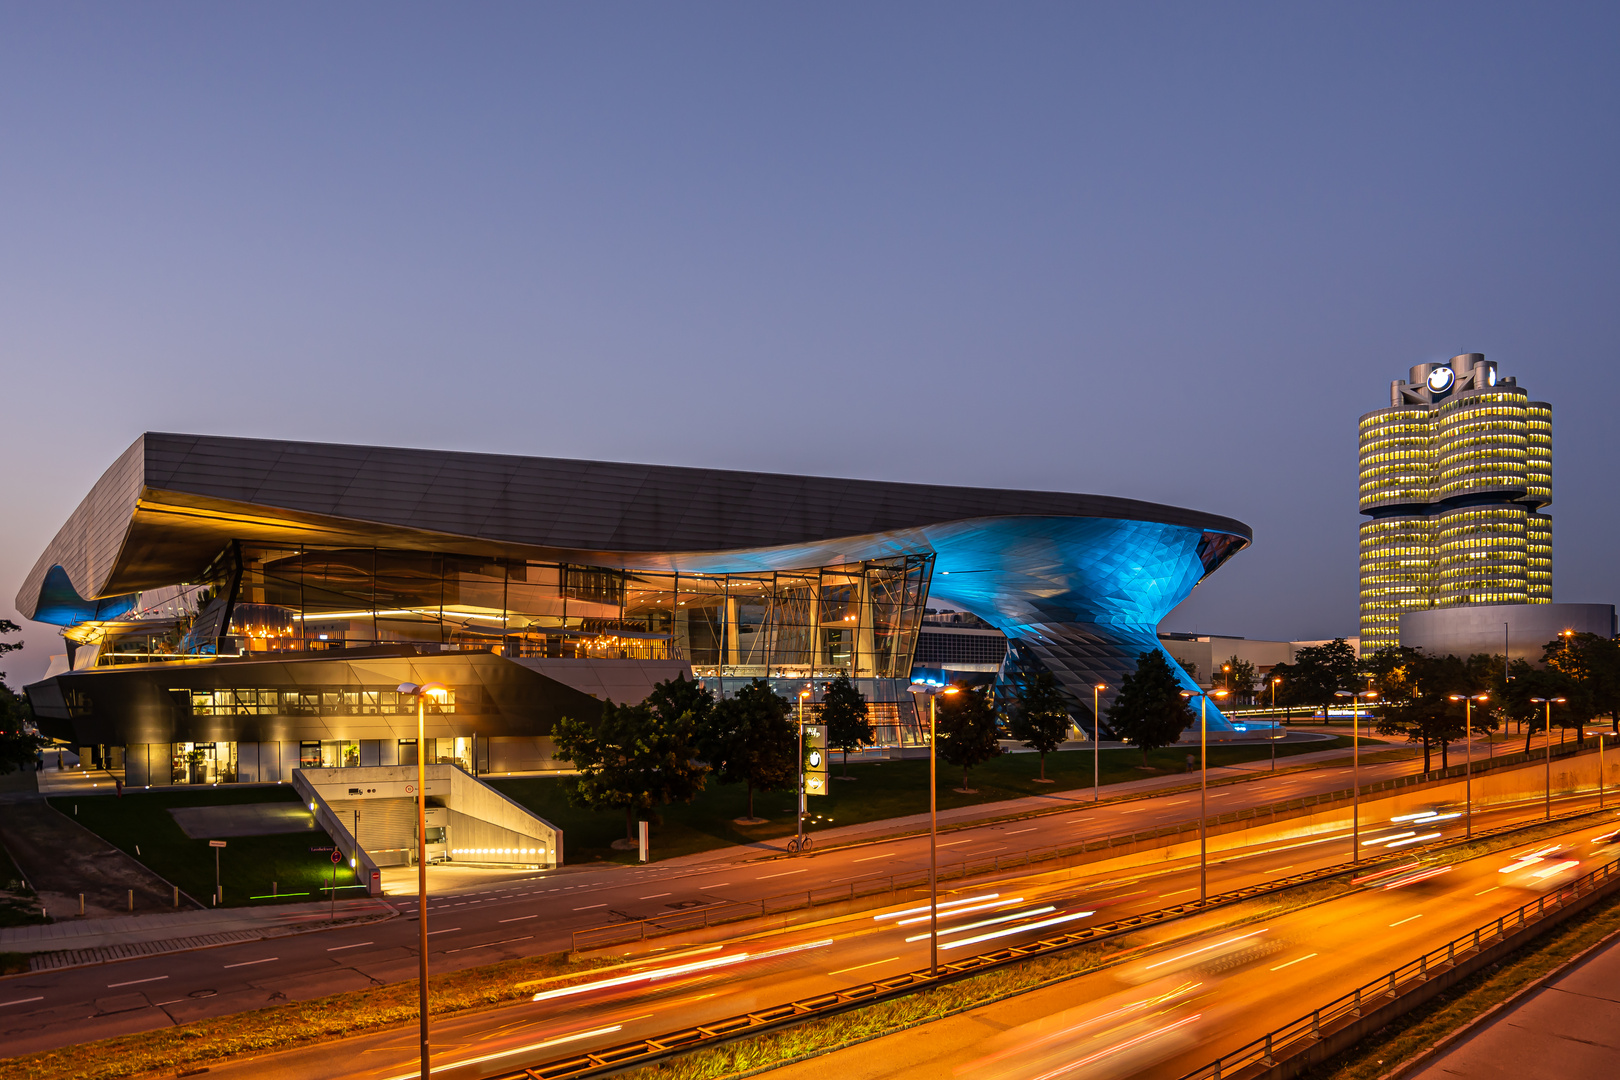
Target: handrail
point(1266, 1049)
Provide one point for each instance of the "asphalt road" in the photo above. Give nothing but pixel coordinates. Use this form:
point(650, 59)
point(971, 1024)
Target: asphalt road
point(537, 915)
point(1165, 1014)
point(694, 984)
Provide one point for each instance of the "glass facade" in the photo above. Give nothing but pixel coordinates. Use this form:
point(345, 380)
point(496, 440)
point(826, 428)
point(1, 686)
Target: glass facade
point(859, 619)
point(1453, 475)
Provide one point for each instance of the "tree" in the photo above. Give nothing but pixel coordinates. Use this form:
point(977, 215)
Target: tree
point(749, 739)
point(1149, 710)
point(843, 711)
point(1040, 717)
point(1591, 665)
point(1239, 676)
point(674, 697)
point(633, 756)
point(1320, 671)
point(968, 731)
point(17, 745)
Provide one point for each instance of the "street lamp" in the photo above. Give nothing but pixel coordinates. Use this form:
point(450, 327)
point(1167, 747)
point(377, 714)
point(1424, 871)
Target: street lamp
point(798, 845)
point(1096, 741)
point(1355, 767)
point(422, 691)
point(1203, 786)
point(933, 693)
point(1468, 747)
point(1274, 684)
point(1548, 702)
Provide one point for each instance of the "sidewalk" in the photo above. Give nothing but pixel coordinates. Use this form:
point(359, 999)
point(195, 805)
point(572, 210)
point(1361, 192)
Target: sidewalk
point(83, 941)
point(1569, 1028)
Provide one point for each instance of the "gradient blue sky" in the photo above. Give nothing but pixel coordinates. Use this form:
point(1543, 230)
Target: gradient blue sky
point(1168, 251)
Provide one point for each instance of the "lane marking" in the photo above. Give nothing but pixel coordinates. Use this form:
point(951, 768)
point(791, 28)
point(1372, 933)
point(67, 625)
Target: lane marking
point(953, 843)
point(840, 971)
point(24, 1001)
point(448, 930)
point(869, 858)
point(1482, 892)
point(356, 945)
point(490, 944)
point(1291, 963)
point(654, 896)
point(1015, 832)
point(588, 907)
point(1178, 892)
point(136, 982)
point(1407, 920)
point(250, 963)
point(520, 918)
point(785, 873)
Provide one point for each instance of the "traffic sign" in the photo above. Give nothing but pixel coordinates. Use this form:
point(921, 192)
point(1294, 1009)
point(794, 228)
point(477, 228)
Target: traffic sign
point(337, 856)
point(815, 759)
point(216, 843)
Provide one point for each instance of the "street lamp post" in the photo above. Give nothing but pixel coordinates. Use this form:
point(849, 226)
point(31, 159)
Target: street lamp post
point(1468, 749)
point(798, 845)
point(1355, 766)
point(1548, 702)
point(1203, 787)
point(1096, 741)
point(422, 691)
point(933, 693)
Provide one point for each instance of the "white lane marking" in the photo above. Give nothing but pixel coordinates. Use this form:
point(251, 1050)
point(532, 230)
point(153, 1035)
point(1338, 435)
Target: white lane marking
point(447, 930)
point(1482, 892)
point(953, 843)
point(785, 873)
point(869, 858)
point(520, 918)
point(1178, 892)
point(1015, 832)
point(1291, 963)
point(1138, 810)
point(135, 982)
point(654, 896)
point(356, 945)
point(588, 907)
point(250, 963)
point(1406, 920)
point(488, 944)
point(24, 1001)
point(840, 971)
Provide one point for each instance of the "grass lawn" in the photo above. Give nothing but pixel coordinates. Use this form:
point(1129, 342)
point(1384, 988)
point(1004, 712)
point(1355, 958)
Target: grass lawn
point(883, 789)
point(247, 864)
point(18, 906)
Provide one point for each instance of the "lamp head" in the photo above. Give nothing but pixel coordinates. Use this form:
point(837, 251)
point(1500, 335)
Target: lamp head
point(433, 691)
point(1343, 693)
point(1100, 686)
point(1560, 700)
point(949, 690)
point(1220, 693)
point(1454, 697)
point(1277, 681)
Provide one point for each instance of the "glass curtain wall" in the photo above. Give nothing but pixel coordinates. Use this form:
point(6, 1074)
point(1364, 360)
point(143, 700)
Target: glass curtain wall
point(859, 619)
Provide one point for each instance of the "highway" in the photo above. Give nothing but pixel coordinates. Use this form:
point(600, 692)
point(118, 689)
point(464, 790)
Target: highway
point(692, 984)
point(537, 915)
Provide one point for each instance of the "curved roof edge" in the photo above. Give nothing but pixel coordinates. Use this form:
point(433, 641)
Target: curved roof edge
point(171, 501)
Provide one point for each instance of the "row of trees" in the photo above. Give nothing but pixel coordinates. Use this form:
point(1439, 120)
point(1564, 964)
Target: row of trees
point(665, 749)
point(1415, 691)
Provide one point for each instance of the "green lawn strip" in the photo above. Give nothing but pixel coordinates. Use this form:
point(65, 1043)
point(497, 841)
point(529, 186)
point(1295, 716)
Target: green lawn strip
point(248, 865)
point(18, 904)
point(1423, 1027)
point(882, 789)
point(285, 1027)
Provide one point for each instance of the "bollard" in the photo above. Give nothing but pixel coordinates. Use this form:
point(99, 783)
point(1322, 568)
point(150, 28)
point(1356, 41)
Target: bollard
point(177, 896)
point(1358, 1010)
point(81, 903)
point(272, 888)
point(132, 899)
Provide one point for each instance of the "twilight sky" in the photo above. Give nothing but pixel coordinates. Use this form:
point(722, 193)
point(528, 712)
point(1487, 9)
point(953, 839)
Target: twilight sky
point(1166, 251)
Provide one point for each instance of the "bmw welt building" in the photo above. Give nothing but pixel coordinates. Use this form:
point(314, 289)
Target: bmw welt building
point(236, 609)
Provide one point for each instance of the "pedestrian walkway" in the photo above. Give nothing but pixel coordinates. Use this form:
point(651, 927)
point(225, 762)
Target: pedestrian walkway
point(1568, 1028)
point(68, 942)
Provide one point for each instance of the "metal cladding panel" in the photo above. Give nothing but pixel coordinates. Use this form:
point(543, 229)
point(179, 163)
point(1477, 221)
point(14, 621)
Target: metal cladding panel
point(423, 498)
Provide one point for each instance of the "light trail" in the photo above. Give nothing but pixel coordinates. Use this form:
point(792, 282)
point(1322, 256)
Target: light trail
point(963, 911)
point(985, 922)
point(1206, 948)
point(941, 907)
point(1016, 930)
point(414, 1074)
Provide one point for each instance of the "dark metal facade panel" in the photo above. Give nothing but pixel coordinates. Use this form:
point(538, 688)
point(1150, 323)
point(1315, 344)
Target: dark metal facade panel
point(549, 503)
